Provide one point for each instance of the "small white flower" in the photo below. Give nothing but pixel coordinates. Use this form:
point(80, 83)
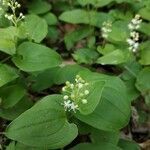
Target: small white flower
point(77, 76)
point(23, 17)
point(134, 35)
point(76, 80)
point(136, 45)
point(106, 29)
point(8, 4)
point(6, 16)
point(13, 5)
point(80, 85)
point(135, 23)
point(66, 97)
point(130, 41)
point(10, 17)
point(21, 14)
point(137, 16)
point(71, 86)
point(84, 101)
point(137, 27)
point(67, 83)
point(64, 89)
point(134, 50)
point(105, 36)
point(130, 26)
point(86, 92)
point(74, 107)
point(67, 105)
point(18, 5)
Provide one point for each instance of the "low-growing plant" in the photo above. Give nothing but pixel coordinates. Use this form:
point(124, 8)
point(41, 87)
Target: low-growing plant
point(74, 74)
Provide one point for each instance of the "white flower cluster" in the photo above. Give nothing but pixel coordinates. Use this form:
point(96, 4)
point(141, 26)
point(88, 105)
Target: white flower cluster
point(135, 23)
point(134, 35)
point(106, 29)
point(75, 94)
point(13, 5)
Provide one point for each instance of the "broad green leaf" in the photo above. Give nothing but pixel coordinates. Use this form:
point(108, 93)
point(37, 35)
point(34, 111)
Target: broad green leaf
point(143, 80)
point(144, 12)
point(67, 73)
point(75, 16)
point(11, 146)
point(119, 33)
point(24, 147)
point(44, 125)
point(131, 70)
point(7, 74)
point(128, 145)
point(119, 14)
point(143, 83)
point(84, 129)
point(38, 7)
point(114, 58)
point(107, 49)
point(13, 112)
point(79, 16)
point(7, 40)
point(104, 136)
point(11, 95)
point(50, 18)
point(94, 97)
point(145, 28)
point(58, 75)
point(132, 90)
point(96, 3)
point(91, 41)
point(99, 146)
point(19, 146)
point(72, 38)
point(53, 33)
point(8, 33)
point(43, 80)
point(147, 99)
point(35, 57)
point(145, 55)
point(22, 31)
point(4, 21)
point(85, 55)
point(36, 28)
point(7, 46)
point(113, 111)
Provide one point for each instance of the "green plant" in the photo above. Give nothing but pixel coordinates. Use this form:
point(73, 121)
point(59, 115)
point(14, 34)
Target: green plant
point(73, 73)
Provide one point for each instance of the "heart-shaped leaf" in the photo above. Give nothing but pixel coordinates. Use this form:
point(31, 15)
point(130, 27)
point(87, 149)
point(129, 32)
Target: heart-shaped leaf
point(44, 125)
point(35, 57)
point(7, 74)
point(113, 111)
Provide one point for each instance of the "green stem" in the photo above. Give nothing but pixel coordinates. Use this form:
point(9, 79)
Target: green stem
point(4, 60)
